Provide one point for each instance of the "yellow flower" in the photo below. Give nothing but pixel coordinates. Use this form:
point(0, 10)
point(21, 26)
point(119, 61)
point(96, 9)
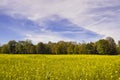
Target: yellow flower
point(116, 71)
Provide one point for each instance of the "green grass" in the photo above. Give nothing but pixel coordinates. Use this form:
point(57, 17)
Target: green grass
point(59, 67)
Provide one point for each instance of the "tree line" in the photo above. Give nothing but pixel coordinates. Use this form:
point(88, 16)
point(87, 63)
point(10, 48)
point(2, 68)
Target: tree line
point(101, 47)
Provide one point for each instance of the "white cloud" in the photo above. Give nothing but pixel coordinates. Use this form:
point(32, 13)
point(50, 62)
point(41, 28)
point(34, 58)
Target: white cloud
point(46, 37)
point(77, 11)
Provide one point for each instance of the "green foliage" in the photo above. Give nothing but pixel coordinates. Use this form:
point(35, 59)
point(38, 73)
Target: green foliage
point(20, 47)
point(40, 48)
point(118, 47)
point(77, 49)
point(12, 46)
point(70, 47)
point(59, 67)
point(61, 47)
point(5, 49)
point(23, 46)
point(112, 46)
point(90, 48)
point(32, 49)
point(102, 47)
point(107, 46)
point(0, 49)
point(82, 48)
point(118, 50)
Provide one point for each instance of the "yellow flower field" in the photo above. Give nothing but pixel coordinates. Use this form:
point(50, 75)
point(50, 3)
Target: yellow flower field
point(59, 67)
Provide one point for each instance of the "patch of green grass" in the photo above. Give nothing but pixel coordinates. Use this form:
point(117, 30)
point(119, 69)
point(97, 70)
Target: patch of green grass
point(59, 67)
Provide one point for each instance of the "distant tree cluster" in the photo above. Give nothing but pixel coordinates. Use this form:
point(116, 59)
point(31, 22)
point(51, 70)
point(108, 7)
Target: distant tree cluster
point(102, 47)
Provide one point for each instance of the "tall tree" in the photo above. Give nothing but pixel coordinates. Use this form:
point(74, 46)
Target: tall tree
point(112, 46)
point(90, 48)
point(118, 47)
point(77, 49)
point(40, 48)
point(82, 48)
point(20, 47)
point(27, 45)
point(61, 47)
point(102, 46)
point(70, 47)
point(32, 50)
point(12, 46)
point(5, 48)
point(0, 48)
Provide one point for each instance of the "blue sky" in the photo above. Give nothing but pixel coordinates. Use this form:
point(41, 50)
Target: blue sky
point(55, 20)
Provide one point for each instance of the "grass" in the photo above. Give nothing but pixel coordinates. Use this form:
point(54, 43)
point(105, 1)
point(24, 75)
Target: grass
point(59, 67)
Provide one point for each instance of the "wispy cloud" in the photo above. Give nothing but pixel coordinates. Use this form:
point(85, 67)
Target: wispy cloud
point(99, 16)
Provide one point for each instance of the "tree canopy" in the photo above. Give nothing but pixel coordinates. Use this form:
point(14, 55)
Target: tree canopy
point(102, 47)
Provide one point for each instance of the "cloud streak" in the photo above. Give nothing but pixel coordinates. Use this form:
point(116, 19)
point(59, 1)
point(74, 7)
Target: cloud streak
point(99, 16)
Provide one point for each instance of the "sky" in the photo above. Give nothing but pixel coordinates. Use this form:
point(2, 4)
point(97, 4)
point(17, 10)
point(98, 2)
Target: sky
point(56, 20)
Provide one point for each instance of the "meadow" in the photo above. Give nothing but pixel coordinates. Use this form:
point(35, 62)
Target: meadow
point(59, 67)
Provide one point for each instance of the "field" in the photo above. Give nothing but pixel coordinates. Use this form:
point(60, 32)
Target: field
point(59, 67)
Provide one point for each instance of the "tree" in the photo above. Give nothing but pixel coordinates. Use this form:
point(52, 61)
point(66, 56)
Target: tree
point(90, 48)
point(27, 45)
point(82, 49)
point(32, 50)
point(5, 49)
point(102, 46)
point(20, 47)
point(70, 47)
point(118, 47)
point(118, 43)
point(48, 48)
point(112, 46)
point(12, 46)
point(61, 47)
point(23, 46)
point(0, 49)
point(40, 48)
point(77, 49)
point(52, 48)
